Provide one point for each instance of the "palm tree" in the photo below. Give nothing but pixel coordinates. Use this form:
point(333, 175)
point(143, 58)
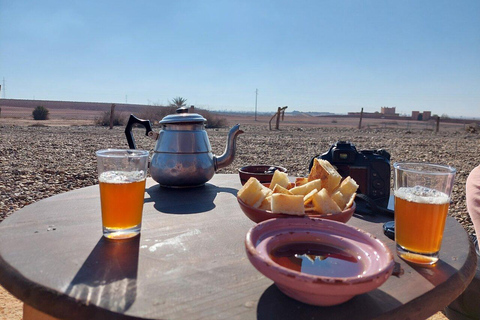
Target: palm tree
point(178, 102)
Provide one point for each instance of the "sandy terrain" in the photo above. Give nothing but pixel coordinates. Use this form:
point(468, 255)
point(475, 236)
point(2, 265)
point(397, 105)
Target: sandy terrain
point(42, 158)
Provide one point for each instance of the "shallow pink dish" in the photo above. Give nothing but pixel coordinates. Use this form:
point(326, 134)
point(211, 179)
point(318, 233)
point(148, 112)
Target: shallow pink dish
point(258, 215)
point(373, 260)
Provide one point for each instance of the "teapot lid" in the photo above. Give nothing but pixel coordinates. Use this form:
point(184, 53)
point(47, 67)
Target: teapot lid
point(182, 116)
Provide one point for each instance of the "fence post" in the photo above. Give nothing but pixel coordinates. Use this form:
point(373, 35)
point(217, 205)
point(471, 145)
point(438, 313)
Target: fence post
point(280, 112)
point(438, 124)
point(112, 111)
point(277, 124)
point(361, 117)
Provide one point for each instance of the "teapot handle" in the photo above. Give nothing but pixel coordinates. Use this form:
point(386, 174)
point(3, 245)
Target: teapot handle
point(128, 130)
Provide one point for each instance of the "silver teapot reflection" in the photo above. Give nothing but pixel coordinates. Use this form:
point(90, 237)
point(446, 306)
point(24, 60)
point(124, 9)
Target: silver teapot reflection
point(183, 156)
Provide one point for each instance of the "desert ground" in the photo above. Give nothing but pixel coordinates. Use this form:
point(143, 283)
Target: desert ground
point(41, 158)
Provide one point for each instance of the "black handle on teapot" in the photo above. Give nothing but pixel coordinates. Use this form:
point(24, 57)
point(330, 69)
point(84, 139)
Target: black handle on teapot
point(128, 130)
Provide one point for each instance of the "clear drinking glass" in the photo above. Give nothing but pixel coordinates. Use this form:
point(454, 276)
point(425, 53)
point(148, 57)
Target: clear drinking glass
point(122, 175)
point(422, 197)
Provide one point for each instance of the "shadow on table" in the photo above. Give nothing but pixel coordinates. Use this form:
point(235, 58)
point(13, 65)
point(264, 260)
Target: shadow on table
point(273, 304)
point(185, 200)
point(108, 277)
point(377, 218)
point(442, 272)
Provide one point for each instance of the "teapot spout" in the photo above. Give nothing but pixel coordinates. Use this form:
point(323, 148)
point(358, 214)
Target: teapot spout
point(227, 157)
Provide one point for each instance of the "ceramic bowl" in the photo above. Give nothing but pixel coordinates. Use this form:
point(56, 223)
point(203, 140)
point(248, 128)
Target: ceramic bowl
point(261, 172)
point(367, 261)
point(258, 215)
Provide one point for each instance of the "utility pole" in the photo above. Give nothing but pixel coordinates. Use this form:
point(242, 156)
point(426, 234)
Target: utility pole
point(256, 95)
point(3, 86)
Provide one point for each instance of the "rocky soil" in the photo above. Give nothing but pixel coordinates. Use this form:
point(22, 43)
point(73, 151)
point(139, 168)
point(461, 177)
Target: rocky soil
point(37, 162)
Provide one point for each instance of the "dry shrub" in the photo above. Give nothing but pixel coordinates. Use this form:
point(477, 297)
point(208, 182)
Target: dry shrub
point(472, 127)
point(40, 113)
point(157, 113)
point(119, 119)
point(214, 120)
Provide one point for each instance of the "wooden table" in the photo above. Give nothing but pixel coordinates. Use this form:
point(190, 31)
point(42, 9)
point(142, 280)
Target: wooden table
point(190, 263)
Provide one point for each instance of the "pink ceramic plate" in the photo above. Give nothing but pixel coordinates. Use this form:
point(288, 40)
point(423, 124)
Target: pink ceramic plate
point(353, 261)
point(259, 215)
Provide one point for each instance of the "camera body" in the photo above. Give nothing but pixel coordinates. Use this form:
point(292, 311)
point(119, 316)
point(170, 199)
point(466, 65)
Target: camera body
point(369, 168)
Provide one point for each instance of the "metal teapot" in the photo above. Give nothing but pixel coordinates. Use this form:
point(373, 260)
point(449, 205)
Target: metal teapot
point(183, 156)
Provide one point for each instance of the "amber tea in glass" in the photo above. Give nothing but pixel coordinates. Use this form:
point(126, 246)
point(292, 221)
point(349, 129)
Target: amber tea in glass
point(422, 197)
point(122, 175)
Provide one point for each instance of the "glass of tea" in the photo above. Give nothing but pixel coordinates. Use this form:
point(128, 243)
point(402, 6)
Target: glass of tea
point(122, 175)
point(422, 197)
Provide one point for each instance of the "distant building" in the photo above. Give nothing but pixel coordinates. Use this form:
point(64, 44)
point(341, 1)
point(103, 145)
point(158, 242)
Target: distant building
point(385, 113)
point(388, 111)
point(425, 115)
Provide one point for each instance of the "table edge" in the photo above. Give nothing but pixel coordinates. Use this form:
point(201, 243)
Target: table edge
point(456, 285)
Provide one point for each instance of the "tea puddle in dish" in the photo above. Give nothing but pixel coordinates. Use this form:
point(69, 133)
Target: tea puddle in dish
point(317, 259)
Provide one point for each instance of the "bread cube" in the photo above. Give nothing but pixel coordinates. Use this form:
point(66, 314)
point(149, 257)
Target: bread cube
point(308, 198)
point(322, 169)
point(306, 188)
point(288, 204)
point(253, 192)
point(266, 203)
point(280, 178)
point(324, 204)
point(279, 189)
point(348, 187)
point(340, 199)
point(350, 201)
point(300, 181)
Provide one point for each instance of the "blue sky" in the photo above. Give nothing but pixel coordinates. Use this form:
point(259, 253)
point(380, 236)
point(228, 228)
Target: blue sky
point(325, 56)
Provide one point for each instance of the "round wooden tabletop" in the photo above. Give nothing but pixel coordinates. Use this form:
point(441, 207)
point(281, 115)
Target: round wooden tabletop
point(189, 262)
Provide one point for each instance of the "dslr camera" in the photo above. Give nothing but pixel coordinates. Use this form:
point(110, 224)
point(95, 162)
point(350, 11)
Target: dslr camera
point(369, 168)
